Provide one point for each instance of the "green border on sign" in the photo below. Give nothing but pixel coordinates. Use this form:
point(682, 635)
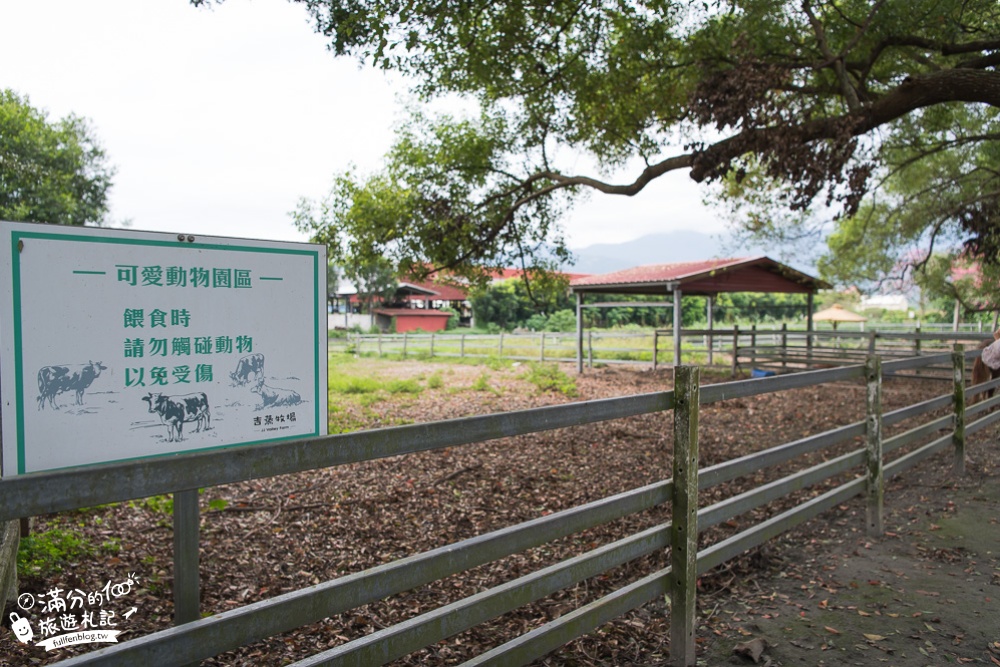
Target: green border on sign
point(17, 236)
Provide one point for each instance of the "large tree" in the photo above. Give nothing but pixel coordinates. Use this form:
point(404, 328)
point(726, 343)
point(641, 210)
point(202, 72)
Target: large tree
point(52, 172)
point(801, 100)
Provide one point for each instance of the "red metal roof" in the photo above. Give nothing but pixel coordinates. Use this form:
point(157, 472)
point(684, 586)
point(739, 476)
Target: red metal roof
point(742, 274)
point(411, 312)
point(507, 274)
point(441, 291)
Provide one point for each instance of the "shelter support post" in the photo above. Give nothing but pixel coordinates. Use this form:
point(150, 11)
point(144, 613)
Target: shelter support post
point(873, 445)
point(736, 347)
point(579, 333)
point(656, 347)
point(677, 325)
point(958, 436)
point(809, 325)
point(711, 341)
point(684, 513)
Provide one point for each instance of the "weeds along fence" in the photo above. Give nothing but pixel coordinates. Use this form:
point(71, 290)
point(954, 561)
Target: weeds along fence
point(933, 425)
point(777, 349)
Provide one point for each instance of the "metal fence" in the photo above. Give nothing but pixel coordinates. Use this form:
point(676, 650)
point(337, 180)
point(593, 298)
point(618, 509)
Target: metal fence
point(945, 423)
point(773, 348)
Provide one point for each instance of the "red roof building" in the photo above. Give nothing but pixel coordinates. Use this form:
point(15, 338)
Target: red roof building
point(703, 278)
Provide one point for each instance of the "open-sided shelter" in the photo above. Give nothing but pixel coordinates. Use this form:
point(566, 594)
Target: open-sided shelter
point(837, 313)
point(703, 278)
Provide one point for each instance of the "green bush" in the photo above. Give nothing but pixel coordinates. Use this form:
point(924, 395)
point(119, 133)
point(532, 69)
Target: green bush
point(435, 381)
point(536, 322)
point(349, 384)
point(563, 320)
point(44, 554)
point(548, 377)
point(404, 387)
point(482, 383)
point(453, 318)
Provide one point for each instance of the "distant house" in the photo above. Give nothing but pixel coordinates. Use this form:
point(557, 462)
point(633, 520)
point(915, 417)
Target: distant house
point(417, 304)
point(411, 319)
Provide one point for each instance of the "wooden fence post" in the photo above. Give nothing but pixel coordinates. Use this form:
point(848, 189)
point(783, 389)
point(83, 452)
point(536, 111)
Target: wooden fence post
point(958, 437)
point(432, 345)
point(461, 347)
point(656, 346)
point(541, 348)
point(404, 345)
point(873, 445)
point(500, 347)
point(186, 581)
point(590, 349)
point(736, 347)
point(380, 344)
point(871, 342)
point(916, 343)
point(684, 517)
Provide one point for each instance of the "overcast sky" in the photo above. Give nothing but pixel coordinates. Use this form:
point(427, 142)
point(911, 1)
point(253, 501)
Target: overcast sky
point(219, 120)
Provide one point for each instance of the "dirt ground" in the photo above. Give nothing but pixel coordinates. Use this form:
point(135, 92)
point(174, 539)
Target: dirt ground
point(825, 594)
point(927, 592)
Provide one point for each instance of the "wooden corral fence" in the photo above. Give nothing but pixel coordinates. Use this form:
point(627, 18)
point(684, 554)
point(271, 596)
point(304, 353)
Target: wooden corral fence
point(944, 423)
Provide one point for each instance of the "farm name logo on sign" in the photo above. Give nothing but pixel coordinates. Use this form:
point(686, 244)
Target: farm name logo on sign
point(122, 345)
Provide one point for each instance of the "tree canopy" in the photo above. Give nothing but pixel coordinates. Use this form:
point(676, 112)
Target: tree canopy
point(53, 172)
point(790, 106)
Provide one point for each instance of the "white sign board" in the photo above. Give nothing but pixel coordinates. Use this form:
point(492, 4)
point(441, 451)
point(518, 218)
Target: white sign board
point(118, 345)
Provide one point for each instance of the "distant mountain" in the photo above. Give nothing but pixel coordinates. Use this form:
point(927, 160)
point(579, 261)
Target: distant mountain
point(663, 248)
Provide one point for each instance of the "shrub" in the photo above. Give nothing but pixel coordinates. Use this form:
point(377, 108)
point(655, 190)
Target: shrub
point(482, 383)
point(536, 322)
point(44, 554)
point(563, 320)
point(404, 387)
point(548, 377)
point(349, 384)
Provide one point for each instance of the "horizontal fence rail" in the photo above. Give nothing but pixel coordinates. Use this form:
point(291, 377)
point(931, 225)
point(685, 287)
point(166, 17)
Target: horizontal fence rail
point(941, 422)
point(756, 347)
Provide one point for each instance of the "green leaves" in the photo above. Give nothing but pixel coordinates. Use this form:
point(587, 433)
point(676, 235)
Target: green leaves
point(807, 107)
point(49, 172)
point(444, 200)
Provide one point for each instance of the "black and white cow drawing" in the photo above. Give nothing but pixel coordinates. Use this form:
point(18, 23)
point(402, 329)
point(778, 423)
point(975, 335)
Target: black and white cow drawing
point(174, 411)
point(252, 363)
point(53, 380)
point(273, 396)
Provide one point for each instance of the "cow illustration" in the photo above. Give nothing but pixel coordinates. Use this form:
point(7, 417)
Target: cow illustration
point(174, 411)
point(252, 363)
point(272, 396)
point(53, 380)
